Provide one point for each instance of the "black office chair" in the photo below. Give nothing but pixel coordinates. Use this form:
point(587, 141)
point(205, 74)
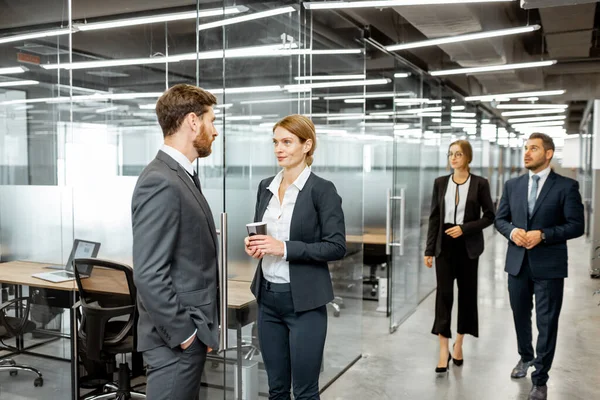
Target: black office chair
point(108, 304)
point(11, 327)
point(375, 257)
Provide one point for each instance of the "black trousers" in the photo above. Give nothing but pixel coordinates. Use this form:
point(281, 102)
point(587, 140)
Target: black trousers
point(548, 302)
point(454, 263)
point(291, 343)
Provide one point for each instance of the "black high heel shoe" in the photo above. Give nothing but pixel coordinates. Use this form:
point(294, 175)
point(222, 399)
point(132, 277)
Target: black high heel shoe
point(441, 370)
point(457, 362)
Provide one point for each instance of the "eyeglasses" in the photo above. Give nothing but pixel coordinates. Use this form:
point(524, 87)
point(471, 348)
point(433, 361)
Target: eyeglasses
point(457, 155)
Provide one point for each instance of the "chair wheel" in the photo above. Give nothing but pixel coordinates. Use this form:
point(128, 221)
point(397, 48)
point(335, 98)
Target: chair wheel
point(38, 382)
point(336, 313)
point(14, 373)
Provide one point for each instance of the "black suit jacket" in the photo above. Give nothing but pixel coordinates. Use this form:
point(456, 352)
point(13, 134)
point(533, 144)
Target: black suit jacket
point(317, 235)
point(558, 212)
point(478, 200)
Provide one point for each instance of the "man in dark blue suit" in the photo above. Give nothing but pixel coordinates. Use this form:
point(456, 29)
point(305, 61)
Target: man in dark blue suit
point(538, 213)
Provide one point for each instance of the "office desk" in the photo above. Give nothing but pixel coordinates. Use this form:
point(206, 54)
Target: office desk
point(369, 236)
point(239, 303)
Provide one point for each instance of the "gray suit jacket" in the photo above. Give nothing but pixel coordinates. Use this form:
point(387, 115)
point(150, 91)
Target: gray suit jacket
point(174, 258)
point(317, 235)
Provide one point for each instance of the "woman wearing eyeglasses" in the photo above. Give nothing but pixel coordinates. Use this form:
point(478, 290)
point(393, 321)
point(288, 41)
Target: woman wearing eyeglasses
point(455, 239)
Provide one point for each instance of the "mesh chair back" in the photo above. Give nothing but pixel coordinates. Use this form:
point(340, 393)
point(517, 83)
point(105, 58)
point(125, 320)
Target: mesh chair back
point(108, 299)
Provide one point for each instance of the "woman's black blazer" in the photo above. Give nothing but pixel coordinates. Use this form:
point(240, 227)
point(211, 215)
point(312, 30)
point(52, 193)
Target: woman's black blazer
point(478, 199)
point(317, 235)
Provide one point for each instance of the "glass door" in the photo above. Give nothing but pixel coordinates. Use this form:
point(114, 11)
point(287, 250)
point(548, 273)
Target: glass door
point(403, 198)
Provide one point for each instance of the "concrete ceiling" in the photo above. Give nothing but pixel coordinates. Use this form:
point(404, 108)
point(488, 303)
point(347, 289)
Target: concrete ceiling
point(569, 34)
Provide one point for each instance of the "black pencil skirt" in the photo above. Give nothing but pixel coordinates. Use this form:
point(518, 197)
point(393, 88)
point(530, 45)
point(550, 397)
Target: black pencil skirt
point(454, 263)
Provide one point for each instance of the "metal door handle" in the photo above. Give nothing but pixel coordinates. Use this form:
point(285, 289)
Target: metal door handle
point(388, 226)
point(223, 284)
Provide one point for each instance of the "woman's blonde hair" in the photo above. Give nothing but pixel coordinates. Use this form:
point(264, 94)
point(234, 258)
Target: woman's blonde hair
point(466, 148)
point(302, 127)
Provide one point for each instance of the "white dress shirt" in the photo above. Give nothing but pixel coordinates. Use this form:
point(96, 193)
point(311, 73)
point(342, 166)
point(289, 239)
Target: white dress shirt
point(180, 158)
point(186, 165)
point(278, 217)
point(543, 177)
point(455, 213)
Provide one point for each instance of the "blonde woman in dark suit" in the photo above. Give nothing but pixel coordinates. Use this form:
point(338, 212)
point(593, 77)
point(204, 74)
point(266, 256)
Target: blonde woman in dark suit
point(455, 239)
point(305, 230)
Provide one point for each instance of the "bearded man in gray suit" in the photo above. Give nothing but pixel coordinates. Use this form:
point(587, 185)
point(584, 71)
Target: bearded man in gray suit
point(175, 250)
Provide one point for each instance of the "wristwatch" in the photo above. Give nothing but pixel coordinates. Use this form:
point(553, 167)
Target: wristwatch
point(543, 236)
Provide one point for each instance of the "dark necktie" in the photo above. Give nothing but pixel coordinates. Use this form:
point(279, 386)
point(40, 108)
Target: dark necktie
point(196, 180)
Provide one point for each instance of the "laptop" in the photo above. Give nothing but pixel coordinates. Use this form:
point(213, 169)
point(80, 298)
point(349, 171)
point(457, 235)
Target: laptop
point(81, 249)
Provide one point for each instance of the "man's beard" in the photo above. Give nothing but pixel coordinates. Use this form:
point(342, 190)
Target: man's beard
point(203, 143)
point(535, 165)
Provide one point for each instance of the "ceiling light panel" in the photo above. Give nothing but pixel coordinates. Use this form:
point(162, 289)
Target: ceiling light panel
point(34, 35)
point(537, 119)
point(493, 68)
point(492, 97)
point(531, 106)
point(463, 38)
point(119, 23)
point(329, 77)
point(248, 17)
point(330, 5)
point(18, 83)
point(533, 112)
point(12, 70)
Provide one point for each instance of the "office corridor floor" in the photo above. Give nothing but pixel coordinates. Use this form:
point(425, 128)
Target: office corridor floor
point(401, 365)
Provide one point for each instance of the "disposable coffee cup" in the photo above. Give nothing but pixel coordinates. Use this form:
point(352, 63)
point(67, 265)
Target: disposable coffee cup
point(257, 228)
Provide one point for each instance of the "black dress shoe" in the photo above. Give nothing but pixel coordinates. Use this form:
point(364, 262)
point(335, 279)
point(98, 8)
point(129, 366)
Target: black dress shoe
point(538, 392)
point(441, 370)
point(456, 361)
point(520, 370)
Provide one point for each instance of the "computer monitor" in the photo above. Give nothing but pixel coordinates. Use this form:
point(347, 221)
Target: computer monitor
point(82, 249)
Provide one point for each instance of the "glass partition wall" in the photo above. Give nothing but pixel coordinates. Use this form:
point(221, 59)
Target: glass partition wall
point(80, 127)
point(77, 126)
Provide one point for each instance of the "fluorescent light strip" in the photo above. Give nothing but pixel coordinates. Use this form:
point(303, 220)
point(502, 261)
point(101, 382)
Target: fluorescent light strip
point(34, 35)
point(257, 51)
point(12, 70)
point(492, 68)
point(463, 38)
point(18, 83)
point(531, 106)
point(249, 17)
point(367, 96)
point(538, 124)
point(329, 77)
point(357, 117)
point(323, 85)
point(243, 118)
point(355, 101)
point(226, 105)
point(411, 100)
point(537, 119)
point(533, 112)
point(93, 26)
point(529, 99)
point(151, 106)
point(277, 100)
point(491, 97)
point(107, 109)
point(401, 75)
point(249, 89)
point(330, 5)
